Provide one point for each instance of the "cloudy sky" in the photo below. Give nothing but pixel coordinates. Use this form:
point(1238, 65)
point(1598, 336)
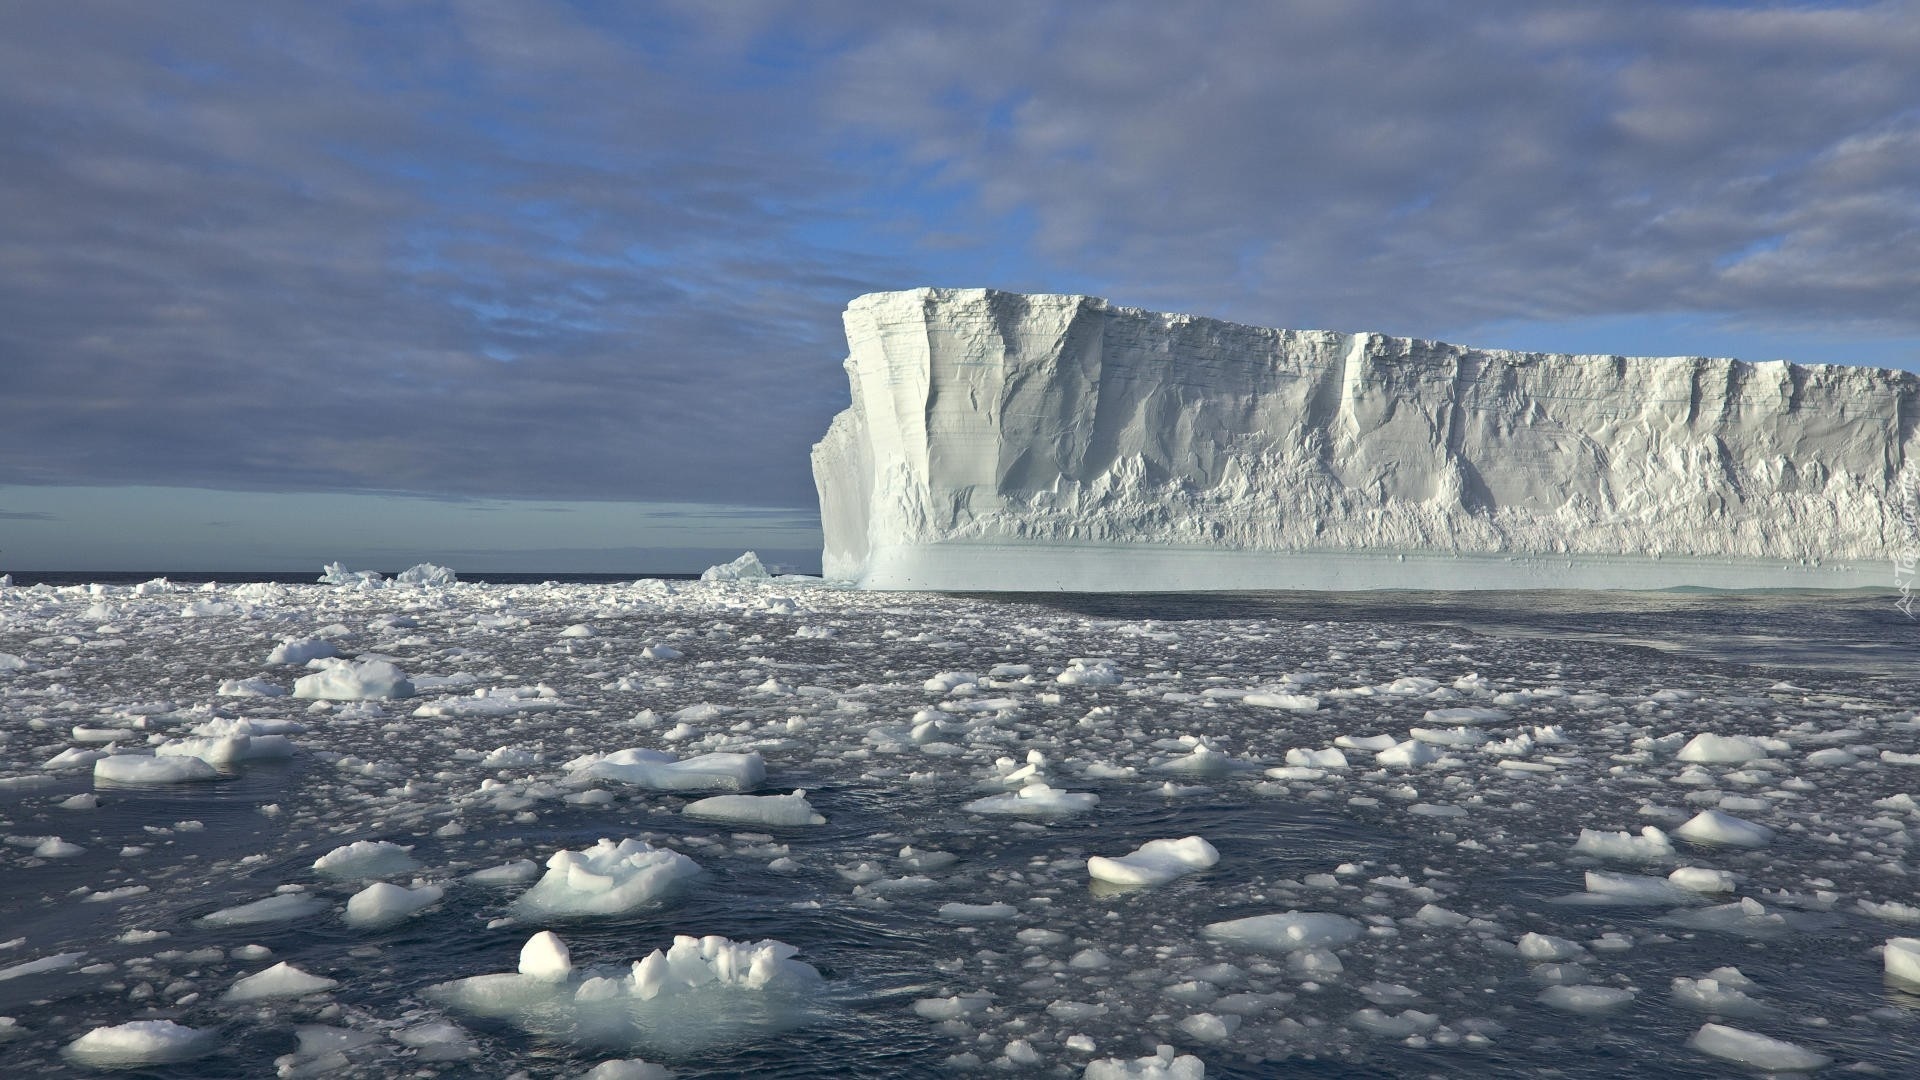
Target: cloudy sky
point(556, 286)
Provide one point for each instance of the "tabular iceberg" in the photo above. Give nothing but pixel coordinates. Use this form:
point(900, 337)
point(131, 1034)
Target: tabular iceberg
point(1003, 441)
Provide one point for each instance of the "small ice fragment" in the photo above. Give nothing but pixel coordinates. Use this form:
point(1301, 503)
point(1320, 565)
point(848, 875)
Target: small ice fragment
point(1290, 702)
point(282, 980)
point(1035, 800)
point(1758, 1051)
point(383, 904)
point(628, 1069)
point(366, 859)
point(342, 680)
point(1717, 827)
point(1702, 880)
point(284, 907)
point(951, 1008)
point(1651, 844)
point(1586, 1000)
point(1285, 932)
point(970, 913)
point(512, 873)
point(301, 650)
point(545, 957)
point(605, 879)
point(140, 769)
point(656, 770)
point(55, 848)
point(770, 810)
point(1546, 947)
point(1901, 958)
point(1163, 1065)
point(1709, 749)
point(1408, 755)
point(1155, 862)
point(140, 1042)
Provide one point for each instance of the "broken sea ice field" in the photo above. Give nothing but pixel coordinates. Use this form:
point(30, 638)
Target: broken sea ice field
point(776, 828)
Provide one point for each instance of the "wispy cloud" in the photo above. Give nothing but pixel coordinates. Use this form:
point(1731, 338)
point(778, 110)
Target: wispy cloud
point(549, 251)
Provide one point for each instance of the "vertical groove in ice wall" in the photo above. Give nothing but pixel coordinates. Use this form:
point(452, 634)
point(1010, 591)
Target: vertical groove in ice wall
point(982, 417)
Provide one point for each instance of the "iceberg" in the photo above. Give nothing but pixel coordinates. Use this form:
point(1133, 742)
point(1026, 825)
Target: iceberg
point(999, 441)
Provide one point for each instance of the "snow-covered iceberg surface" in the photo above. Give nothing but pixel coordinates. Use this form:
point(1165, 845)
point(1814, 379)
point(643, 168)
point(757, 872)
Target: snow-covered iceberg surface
point(1004, 441)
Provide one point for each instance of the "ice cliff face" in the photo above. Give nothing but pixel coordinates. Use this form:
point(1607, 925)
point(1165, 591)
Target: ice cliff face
point(999, 440)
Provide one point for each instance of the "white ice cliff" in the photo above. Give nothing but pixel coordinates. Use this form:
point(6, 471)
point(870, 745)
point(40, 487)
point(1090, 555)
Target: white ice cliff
point(1005, 441)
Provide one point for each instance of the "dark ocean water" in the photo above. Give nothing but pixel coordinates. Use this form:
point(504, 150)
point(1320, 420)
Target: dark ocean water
point(1832, 671)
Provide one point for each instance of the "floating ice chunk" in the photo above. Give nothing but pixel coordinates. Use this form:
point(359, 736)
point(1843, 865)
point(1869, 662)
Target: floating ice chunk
point(745, 568)
point(578, 630)
point(1466, 715)
point(251, 688)
point(141, 769)
point(1155, 862)
point(1901, 959)
point(1720, 991)
point(1088, 671)
point(140, 1042)
point(1746, 917)
point(627, 1069)
point(1410, 754)
point(1410, 1022)
point(1586, 1000)
point(1371, 743)
point(427, 575)
point(1202, 762)
point(284, 907)
point(1209, 1027)
point(605, 879)
point(701, 993)
point(1035, 800)
point(384, 904)
point(948, 681)
point(951, 1008)
point(1759, 1051)
point(343, 680)
point(56, 962)
point(1163, 1065)
point(365, 859)
point(437, 1040)
point(55, 848)
point(772, 811)
point(1285, 932)
point(1637, 889)
point(1710, 749)
point(1291, 702)
point(661, 652)
point(301, 650)
point(1651, 844)
point(659, 771)
point(972, 913)
point(337, 574)
point(1715, 827)
point(1702, 880)
point(1547, 947)
point(1330, 758)
point(222, 726)
point(511, 873)
point(546, 957)
point(282, 980)
point(227, 749)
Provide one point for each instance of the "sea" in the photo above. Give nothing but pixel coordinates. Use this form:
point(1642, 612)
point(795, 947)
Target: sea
point(1453, 834)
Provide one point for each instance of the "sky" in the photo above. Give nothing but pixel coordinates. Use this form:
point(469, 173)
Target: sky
point(556, 286)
